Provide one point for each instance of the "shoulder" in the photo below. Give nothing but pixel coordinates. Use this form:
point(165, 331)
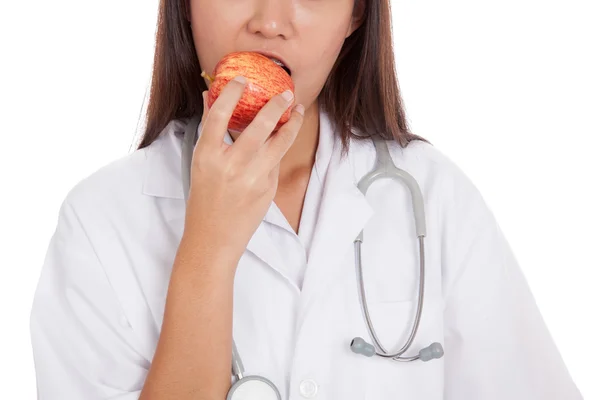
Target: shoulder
point(123, 185)
point(116, 178)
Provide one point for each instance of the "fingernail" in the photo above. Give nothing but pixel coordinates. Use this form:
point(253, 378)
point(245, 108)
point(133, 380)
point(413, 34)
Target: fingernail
point(287, 95)
point(240, 79)
point(299, 109)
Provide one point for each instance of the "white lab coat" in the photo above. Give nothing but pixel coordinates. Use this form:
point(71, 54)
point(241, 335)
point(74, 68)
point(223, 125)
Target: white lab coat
point(99, 303)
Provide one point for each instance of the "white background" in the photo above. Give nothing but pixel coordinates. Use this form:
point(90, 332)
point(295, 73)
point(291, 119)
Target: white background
point(509, 90)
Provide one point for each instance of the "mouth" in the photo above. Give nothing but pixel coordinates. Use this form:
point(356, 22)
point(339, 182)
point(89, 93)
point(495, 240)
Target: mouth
point(277, 59)
point(282, 65)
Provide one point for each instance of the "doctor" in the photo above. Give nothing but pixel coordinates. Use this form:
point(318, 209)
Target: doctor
point(142, 291)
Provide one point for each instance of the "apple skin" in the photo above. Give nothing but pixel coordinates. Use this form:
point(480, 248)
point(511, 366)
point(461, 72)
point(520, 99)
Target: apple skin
point(265, 79)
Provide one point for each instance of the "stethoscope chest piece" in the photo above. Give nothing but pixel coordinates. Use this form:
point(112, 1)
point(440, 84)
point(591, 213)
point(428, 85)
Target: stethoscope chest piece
point(253, 387)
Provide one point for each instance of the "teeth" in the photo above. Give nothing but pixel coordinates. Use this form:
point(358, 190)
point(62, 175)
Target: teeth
point(276, 61)
point(282, 65)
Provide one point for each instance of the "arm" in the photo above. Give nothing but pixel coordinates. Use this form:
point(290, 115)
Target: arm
point(193, 355)
point(497, 344)
point(81, 347)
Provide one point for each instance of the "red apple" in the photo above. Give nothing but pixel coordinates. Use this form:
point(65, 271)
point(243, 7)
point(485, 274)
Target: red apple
point(265, 79)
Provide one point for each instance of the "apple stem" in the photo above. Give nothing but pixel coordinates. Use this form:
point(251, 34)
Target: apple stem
point(207, 76)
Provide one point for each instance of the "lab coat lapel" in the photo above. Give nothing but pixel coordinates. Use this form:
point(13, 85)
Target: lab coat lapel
point(343, 214)
point(262, 246)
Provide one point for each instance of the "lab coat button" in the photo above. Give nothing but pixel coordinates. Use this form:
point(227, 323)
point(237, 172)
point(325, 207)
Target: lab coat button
point(308, 388)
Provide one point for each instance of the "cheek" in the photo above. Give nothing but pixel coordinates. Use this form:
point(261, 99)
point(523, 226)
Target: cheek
point(334, 46)
point(322, 30)
point(212, 32)
point(321, 55)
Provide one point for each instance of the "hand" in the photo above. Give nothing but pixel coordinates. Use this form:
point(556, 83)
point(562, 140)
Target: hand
point(232, 186)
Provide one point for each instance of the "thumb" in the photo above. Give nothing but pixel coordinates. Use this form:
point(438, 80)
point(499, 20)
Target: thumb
point(205, 105)
point(201, 127)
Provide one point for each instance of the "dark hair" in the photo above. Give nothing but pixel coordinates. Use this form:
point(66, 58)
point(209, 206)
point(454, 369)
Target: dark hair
point(373, 105)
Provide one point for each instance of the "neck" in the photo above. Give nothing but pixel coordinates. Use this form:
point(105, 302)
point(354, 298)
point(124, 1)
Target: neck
point(301, 155)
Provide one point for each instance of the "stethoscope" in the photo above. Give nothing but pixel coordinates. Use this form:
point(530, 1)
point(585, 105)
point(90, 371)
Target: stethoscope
point(253, 387)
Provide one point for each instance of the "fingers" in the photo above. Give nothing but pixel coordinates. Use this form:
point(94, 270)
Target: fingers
point(215, 120)
point(279, 144)
point(263, 124)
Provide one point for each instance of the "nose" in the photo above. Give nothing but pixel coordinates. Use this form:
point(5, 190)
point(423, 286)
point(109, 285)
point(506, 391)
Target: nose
point(272, 18)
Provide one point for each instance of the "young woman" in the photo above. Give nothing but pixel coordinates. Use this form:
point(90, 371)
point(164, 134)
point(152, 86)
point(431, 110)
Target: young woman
point(147, 286)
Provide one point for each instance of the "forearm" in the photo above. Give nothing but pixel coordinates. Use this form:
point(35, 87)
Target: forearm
point(193, 354)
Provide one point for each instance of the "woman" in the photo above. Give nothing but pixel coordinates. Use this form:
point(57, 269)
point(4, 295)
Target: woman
point(139, 298)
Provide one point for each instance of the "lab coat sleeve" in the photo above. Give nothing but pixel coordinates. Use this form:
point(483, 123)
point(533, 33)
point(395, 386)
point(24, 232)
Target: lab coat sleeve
point(497, 346)
point(82, 346)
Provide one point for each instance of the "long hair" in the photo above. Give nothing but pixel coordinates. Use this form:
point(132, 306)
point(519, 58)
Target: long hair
point(371, 104)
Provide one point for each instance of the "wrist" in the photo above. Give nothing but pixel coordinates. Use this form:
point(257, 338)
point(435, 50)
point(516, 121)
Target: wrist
point(208, 252)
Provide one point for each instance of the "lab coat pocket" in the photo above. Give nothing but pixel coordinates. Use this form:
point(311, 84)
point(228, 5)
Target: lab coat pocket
point(390, 265)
